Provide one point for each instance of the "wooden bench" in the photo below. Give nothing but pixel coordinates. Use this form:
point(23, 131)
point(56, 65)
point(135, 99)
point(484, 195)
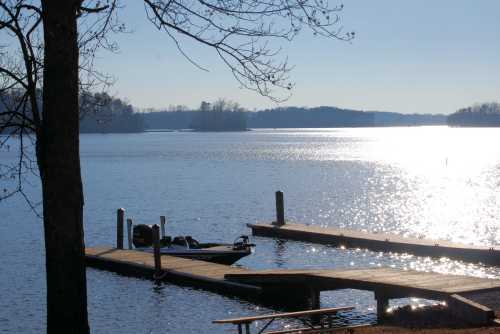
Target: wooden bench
point(306, 317)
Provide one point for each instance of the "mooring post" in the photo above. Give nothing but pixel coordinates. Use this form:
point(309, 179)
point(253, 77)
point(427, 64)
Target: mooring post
point(280, 209)
point(120, 216)
point(162, 226)
point(314, 298)
point(314, 304)
point(382, 304)
point(156, 247)
point(129, 233)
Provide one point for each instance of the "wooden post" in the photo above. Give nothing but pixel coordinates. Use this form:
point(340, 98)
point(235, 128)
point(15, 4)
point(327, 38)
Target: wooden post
point(382, 304)
point(315, 299)
point(129, 233)
point(314, 304)
point(280, 209)
point(120, 216)
point(162, 226)
point(156, 247)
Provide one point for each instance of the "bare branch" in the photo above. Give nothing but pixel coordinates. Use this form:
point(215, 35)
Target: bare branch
point(241, 31)
point(21, 77)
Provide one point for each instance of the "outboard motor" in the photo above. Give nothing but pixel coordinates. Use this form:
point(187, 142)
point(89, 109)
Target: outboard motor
point(242, 243)
point(142, 236)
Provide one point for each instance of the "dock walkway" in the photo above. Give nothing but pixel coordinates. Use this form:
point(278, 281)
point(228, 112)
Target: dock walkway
point(378, 242)
point(387, 283)
point(393, 283)
point(286, 285)
point(178, 270)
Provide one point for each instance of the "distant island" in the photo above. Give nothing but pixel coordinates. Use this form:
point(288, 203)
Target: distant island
point(479, 115)
point(222, 115)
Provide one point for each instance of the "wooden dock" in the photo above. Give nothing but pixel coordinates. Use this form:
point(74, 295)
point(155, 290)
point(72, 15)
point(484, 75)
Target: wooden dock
point(378, 242)
point(182, 271)
point(285, 286)
point(387, 283)
point(393, 283)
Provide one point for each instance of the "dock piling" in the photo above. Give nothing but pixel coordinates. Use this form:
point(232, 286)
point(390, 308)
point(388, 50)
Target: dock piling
point(315, 298)
point(129, 233)
point(120, 216)
point(382, 304)
point(280, 209)
point(156, 247)
point(162, 226)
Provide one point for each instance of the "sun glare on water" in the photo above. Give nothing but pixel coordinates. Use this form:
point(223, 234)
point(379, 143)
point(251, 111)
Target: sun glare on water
point(428, 182)
point(453, 175)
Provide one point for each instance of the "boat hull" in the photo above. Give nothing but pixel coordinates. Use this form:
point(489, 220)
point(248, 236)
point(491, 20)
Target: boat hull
point(228, 259)
point(216, 256)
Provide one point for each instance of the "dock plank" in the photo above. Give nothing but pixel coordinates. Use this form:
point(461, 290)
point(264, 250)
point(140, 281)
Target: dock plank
point(382, 277)
point(185, 271)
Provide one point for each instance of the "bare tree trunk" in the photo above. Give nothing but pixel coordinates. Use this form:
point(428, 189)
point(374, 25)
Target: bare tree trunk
point(59, 163)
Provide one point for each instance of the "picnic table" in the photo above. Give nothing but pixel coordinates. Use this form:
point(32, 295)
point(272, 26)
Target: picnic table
point(309, 318)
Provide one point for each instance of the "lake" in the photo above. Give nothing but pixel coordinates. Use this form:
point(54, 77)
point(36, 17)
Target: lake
point(432, 182)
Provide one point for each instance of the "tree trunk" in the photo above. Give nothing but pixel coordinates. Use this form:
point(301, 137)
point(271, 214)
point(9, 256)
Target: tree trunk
point(59, 163)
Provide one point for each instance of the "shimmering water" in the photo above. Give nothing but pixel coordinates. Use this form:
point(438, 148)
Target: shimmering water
point(432, 182)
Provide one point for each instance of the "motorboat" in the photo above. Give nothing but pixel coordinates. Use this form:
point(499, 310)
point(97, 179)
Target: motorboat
point(190, 248)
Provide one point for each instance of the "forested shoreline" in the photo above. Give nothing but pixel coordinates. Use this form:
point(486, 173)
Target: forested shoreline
point(286, 117)
point(102, 113)
point(99, 113)
point(478, 115)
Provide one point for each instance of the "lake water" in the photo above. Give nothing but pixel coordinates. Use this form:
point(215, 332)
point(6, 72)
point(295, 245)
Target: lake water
point(432, 182)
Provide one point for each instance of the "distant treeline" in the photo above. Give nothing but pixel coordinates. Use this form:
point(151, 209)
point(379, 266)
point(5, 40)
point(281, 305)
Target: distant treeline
point(15, 112)
point(222, 115)
point(319, 117)
point(288, 117)
point(479, 115)
point(99, 113)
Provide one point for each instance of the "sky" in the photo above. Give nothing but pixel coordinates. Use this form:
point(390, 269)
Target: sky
point(408, 56)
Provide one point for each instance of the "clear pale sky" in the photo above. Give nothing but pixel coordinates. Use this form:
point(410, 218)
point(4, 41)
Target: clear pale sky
point(408, 56)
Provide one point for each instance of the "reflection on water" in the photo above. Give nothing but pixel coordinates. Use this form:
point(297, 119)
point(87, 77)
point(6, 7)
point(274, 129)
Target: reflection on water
point(280, 249)
point(430, 182)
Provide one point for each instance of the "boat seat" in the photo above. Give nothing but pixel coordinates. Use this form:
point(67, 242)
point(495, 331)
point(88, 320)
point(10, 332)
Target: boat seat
point(179, 240)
